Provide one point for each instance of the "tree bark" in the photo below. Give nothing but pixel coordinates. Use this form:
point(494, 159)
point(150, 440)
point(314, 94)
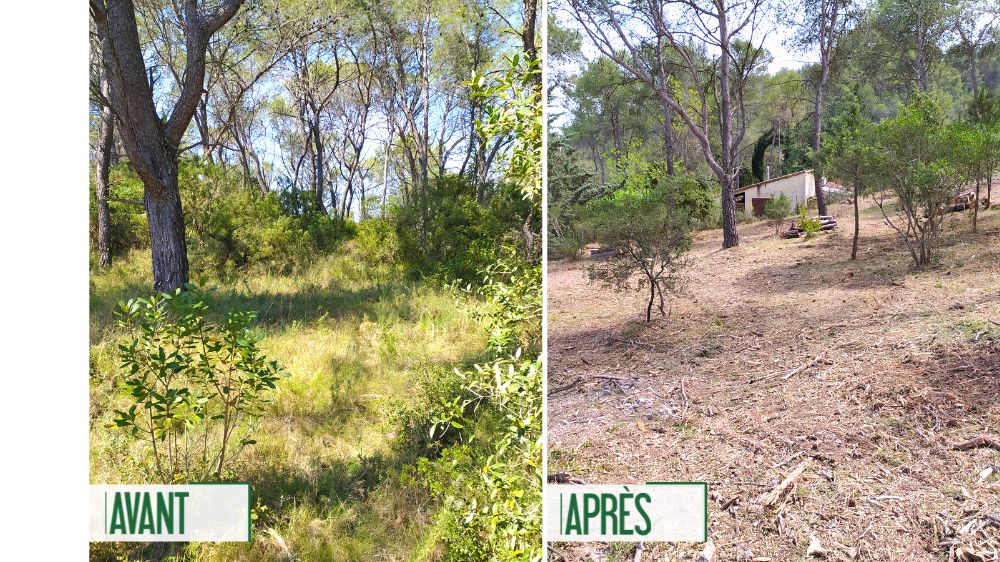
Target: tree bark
point(668, 137)
point(730, 237)
point(102, 178)
point(166, 235)
point(150, 141)
point(818, 128)
point(857, 225)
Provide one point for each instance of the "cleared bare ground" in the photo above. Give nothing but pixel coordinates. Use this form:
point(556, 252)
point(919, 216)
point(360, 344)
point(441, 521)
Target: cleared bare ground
point(784, 351)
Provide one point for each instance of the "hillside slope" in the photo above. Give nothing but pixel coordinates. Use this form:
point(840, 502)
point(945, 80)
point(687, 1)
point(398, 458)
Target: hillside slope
point(784, 351)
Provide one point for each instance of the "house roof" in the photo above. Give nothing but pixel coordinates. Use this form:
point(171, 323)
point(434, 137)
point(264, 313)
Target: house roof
point(767, 181)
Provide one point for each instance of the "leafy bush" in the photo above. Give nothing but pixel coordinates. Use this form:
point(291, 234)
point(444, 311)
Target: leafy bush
point(809, 226)
point(649, 231)
point(197, 386)
point(460, 236)
point(916, 158)
point(776, 209)
point(488, 422)
point(230, 225)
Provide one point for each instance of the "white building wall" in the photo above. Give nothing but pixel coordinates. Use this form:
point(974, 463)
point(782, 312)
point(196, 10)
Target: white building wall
point(798, 188)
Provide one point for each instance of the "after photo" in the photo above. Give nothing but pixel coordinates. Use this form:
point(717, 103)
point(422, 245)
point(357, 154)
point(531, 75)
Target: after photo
point(774, 268)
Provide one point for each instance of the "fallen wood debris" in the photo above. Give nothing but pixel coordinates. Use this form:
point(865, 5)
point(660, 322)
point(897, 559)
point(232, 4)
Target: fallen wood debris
point(815, 548)
point(564, 478)
point(708, 554)
point(826, 224)
point(978, 443)
point(779, 492)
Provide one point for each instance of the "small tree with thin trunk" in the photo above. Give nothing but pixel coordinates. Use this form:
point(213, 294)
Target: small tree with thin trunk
point(152, 141)
point(918, 151)
point(649, 232)
point(776, 209)
point(848, 154)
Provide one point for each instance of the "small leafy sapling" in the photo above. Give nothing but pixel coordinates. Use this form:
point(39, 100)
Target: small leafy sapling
point(776, 209)
point(809, 226)
point(650, 233)
point(197, 386)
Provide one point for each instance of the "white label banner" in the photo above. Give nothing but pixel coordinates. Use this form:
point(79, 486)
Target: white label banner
point(218, 512)
point(654, 512)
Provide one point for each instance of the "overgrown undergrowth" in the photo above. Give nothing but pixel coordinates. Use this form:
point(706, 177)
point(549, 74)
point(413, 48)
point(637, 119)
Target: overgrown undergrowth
point(363, 346)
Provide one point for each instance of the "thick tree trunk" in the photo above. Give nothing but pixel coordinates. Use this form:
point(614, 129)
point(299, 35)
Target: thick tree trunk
point(166, 235)
point(150, 140)
point(730, 236)
point(730, 167)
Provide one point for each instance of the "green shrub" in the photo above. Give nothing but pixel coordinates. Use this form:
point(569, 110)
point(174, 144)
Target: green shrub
point(650, 233)
point(776, 209)
point(487, 424)
point(456, 238)
point(230, 225)
point(809, 226)
point(196, 386)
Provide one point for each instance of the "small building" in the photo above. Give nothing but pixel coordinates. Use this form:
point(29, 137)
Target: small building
point(799, 187)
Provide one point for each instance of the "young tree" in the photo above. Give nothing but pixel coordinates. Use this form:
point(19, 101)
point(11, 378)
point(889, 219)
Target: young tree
point(650, 233)
point(152, 141)
point(848, 154)
point(776, 209)
point(917, 166)
point(638, 38)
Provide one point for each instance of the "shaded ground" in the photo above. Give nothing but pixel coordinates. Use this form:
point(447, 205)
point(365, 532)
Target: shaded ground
point(360, 344)
point(781, 351)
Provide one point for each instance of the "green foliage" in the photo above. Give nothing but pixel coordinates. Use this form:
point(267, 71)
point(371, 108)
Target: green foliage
point(809, 226)
point(231, 226)
point(197, 386)
point(776, 209)
point(916, 160)
point(461, 234)
point(488, 420)
point(693, 198)
point(569, 187)
point(649, 227)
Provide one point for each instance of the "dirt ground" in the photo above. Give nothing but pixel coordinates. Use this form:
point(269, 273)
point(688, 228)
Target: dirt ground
point(780, 352)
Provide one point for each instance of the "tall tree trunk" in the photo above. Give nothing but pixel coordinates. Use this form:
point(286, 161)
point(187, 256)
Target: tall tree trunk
point(166, 235)
point(668, 137)
point(425, 148)
point(818, 127)
point(102, 180)
point(528, 40)
point(730, 237)
point(150, 140)
point(319, 166)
